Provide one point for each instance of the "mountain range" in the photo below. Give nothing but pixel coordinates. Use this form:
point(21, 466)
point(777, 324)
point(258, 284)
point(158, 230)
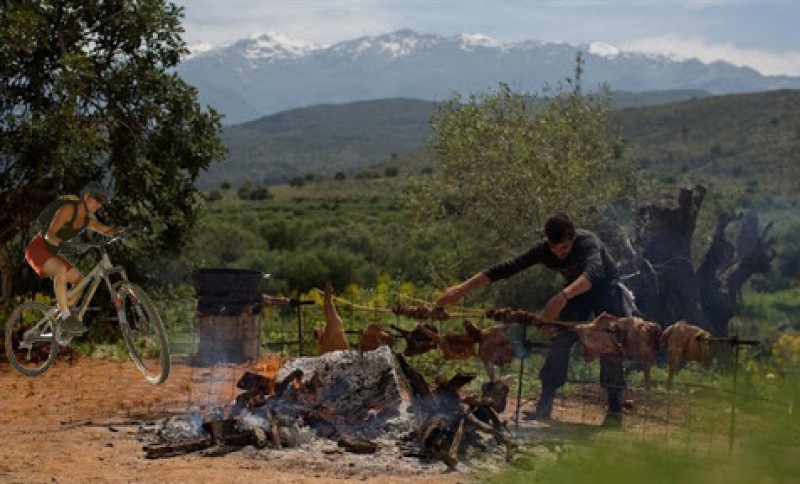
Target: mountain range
point(266, 74)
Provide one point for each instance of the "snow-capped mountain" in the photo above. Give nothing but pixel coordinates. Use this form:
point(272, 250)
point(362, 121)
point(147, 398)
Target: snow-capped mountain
point(268, 73)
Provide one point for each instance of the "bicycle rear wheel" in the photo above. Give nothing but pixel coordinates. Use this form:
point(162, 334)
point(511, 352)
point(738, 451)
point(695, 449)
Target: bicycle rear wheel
point(143, 333)
point(31, 345)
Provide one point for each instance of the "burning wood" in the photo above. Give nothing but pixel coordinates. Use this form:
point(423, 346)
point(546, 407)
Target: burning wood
point(357, 445)
point(352, 399)
point(447, 418)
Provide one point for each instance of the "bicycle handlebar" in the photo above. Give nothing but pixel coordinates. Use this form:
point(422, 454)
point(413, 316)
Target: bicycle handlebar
point(82, 248)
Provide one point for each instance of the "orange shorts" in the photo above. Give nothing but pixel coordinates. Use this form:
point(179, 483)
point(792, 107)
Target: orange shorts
point(36, 253)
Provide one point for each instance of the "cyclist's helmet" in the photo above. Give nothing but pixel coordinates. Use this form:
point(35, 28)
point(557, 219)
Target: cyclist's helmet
point(97, 191)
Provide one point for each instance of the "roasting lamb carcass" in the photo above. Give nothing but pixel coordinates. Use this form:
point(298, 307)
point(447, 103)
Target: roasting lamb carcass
point(417, 342)
point(687, 341)
point(454, 346)
point(331, 337)
point(374, 337)
point(597, 337)
point(494, 346)
point(640, 340)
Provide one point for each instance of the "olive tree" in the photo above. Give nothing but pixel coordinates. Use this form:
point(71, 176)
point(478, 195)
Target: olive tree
point(506, 160)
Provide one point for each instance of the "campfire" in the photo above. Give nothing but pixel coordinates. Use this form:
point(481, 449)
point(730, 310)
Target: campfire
point(362, 402)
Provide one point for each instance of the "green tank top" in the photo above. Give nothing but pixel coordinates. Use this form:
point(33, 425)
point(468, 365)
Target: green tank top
point(68, 230)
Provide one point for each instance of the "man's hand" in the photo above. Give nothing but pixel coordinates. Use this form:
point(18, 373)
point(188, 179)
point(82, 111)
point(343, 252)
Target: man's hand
point(555, 305)
point(454, 293)
point(115, 231)
point(451, 294)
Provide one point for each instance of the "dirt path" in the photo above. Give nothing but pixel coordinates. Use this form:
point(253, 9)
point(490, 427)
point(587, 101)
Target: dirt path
point(80, 422)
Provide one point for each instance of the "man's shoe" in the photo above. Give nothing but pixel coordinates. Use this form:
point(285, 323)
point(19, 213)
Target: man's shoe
point(72, 325)
point(537, 416)
point(613, 420)
point(543, 412)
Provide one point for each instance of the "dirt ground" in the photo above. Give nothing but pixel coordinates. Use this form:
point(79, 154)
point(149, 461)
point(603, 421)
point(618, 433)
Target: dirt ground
point(80, 422)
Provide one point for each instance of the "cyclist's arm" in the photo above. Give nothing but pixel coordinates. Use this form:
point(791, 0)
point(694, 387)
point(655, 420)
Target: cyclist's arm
point(62, 216)
point(100, 228)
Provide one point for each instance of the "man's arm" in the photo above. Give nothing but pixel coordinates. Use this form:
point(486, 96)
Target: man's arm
point(454, 293)
point(507, 268)
point(556, 303)
point(96, 226)
point(589, 253)
point(498, 271)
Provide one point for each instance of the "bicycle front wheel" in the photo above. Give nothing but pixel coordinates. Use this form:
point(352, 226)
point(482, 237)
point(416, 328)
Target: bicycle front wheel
point(143, 333)
point(31, 345)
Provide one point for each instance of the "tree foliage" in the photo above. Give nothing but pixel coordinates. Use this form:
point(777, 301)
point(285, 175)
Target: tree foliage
point(508, 159)
point(88, 92)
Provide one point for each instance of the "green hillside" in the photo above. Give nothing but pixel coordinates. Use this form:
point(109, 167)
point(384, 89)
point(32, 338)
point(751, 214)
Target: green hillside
point(748, 144)
point(322, 140)
point(348, 138)
point(752, 138)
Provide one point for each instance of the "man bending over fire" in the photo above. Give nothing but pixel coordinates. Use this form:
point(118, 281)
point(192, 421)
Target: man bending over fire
point(591, 288)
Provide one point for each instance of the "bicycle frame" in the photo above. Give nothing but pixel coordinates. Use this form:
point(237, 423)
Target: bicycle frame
point(100, 272)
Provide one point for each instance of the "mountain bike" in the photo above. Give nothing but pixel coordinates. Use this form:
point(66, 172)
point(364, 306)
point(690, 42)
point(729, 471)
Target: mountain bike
point(33, 332)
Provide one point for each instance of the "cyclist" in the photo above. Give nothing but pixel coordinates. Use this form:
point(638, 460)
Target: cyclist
point(71, 219)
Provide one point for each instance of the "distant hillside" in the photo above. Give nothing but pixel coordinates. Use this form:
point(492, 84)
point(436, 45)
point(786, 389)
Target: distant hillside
point(326, 139)
point(754, 138)
point(321, 140)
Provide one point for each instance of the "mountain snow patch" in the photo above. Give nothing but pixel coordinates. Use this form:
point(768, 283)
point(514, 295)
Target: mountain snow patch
point(603, 50)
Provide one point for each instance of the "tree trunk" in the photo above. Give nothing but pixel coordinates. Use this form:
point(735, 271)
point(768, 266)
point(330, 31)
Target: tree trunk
point(667, 286)
point(658, 266)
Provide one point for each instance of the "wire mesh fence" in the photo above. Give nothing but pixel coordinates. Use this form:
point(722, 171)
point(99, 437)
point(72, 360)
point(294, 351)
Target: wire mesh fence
point(704, 411)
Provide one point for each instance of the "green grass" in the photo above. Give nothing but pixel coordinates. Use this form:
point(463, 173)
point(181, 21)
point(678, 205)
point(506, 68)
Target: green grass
point(766, 446)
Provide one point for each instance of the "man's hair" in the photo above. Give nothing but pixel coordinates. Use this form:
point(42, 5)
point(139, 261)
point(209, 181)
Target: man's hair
point(558, 228)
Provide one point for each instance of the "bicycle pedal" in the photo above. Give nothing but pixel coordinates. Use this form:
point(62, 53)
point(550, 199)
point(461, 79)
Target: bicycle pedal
point(64, 340)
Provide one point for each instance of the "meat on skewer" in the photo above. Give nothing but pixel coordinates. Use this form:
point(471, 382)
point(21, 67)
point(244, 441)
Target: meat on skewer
point(640, 340)
point(494, 346)
point(684, 341)
point(597, 337)
point(331, 336)
point(417, 342)
point(421, 313)
point(374, 337)
point(454, 346)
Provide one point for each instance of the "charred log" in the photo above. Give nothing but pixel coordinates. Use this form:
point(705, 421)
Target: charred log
point(174, 449)
point(419, 387)
point(357, 445)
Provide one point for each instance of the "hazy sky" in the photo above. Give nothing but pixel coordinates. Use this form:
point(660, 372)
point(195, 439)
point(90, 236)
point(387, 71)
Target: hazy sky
point(763, 34)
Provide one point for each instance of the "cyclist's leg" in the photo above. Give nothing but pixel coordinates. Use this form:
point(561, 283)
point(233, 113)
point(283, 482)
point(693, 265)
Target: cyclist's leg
point(56, 268)
point(74, 277)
